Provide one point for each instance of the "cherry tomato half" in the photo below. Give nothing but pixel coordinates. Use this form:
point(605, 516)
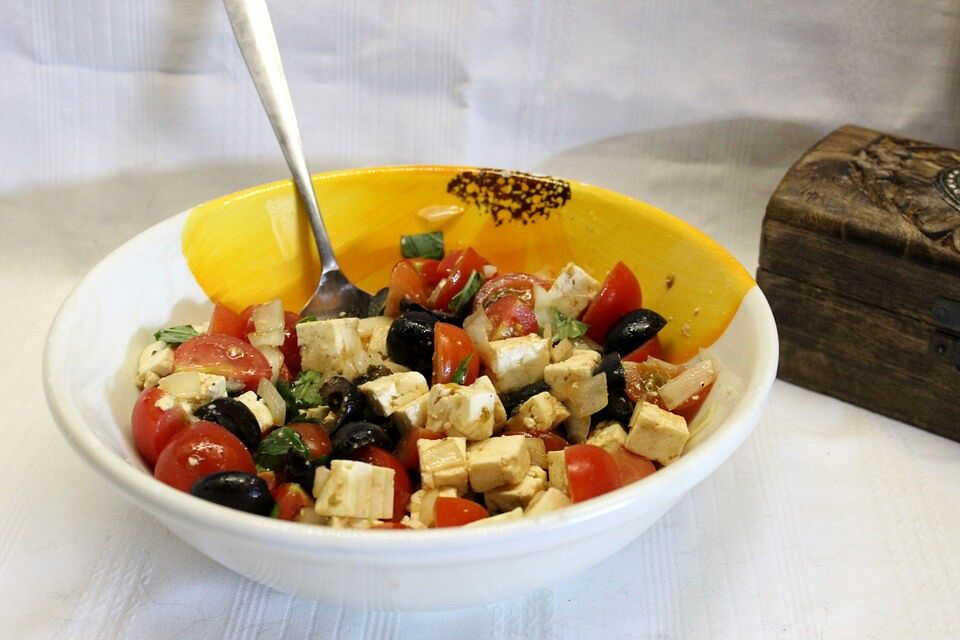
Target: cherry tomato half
point(290, 498)
point(519, 285)
point(647, 349)
point(405, 283)
point(314, 436)
point(152, 426)
point(201, 449)
point(223, 355)
point(631, 466)
point(428, 269)
point(407, 452)
point(466, 263)
point(619, 293)
point(511, 318)
point(402, 488)
point(451, 345)
point(591, 471)
point(227, 322)
point(456, 512)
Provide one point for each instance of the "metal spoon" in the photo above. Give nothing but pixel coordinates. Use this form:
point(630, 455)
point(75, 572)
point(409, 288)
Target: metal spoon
point(335, 295)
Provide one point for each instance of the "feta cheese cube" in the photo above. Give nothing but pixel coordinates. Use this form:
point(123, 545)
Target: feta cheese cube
point(546, 501)
point(509, 516)
point(511, 496)
point(561, 376)
point(586, 397)
point(497, 461)
point(577, 428)
point(467, 412)
point(538, 452)
point(573, 290)
point(443, 463)
point(156, 361)
point(389, 393)
point(609, 434)
point(373, 336)
point(517, 362)
point(354, 489)
point(258, 409)
point(332, 347)
point(557, 471)
point(656, 434)
point(561, 351)
point(499, 412)
point(412, 523)
point(541, 412)
point(412, 414)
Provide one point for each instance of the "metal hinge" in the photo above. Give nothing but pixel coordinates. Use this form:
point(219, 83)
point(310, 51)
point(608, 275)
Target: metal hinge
point(946, 335)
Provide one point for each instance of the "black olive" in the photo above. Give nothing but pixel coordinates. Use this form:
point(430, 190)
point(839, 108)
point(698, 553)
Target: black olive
point(235, 417)
point(441, 316)
point(618, 408)
point(513, 399)
point(373, 372)
point(633, 329)
point(298, 468)
point(354, 435)
point(410, 341)
point(237, 490)
point(345, 400)
point(378, 302)
point(611, 365)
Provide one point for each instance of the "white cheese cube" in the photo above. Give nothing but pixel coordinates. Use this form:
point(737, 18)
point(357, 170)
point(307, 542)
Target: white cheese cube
point(608, 435)
point(538, 452)
point(389, 393)
point(577, 428)
point(541, 412)
point(509, 516)
point(499, 412)
point(557, 471)
point(426, 509)
point(193, 389)
point(373, 335)
point(497, 461)
point(354, 489)
point(517, 362)
point(511, 496)
point(443, 463)
point(258, 409)
point(573, 290)
point(546, 501)
point(156, 361)
point(586, 397)
point(656, 434)
point(561, 351)
point(561, 376)
point(467, 412)
point(332, 347)
point(412, 414)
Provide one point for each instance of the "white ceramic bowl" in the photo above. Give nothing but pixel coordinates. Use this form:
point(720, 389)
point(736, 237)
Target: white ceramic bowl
point(89, 366)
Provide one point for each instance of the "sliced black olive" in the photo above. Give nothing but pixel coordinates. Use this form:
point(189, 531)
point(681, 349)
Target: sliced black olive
point(298, 468)
point(237, 490)
point(410, 341)
point(618, 408)
point(373, 372)
point(611, 365)
point(354, 435)
point(441, 316)
point(378, 302)
point(235, 417)
point(513, 399)
point(633, 329)
point(345, 400)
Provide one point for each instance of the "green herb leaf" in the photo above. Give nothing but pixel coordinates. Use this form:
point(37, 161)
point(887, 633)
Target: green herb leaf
point(305, 390)
point(307, 319)
point(176, 335)
point(422, 245)
point(276, 446)
point(564, 327)
point(460, 374)
point(465, 297)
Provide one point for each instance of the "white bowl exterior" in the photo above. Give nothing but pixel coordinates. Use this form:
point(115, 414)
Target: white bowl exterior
point(146, 283)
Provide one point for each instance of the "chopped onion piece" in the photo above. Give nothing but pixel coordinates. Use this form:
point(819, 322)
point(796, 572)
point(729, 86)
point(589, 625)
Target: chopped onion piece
point(488, 271)
point(688, 384)
point(275, 357)
point(274, 401)
point(268, 323)
point(667, 369)
point(478, 327)
point(543, 304)
point(182, 385)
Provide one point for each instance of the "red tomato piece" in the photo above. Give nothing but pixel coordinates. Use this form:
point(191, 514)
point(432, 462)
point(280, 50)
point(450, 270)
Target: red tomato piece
point(451, 345)
point(466, 263)
point(690, 408)
point(591, 471)
point(152, 426)
point(314, 436)
point(290, 347)
point(246, 316)
point(619, 293)
point(456, 512)
point(270, 478)
point(225, 356)
point(428, 269)
point(290, 498)
point(647, 349)
point(519, 285)
point(511, 318)
point(551, 441)
point(405, 282)
point(199, 450)
point(446, 265)
point(407, 452)
point(631, 466)
point(402, 488)
point(227, 322)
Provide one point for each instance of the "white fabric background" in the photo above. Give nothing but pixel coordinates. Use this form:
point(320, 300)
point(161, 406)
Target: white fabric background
point(829, 522)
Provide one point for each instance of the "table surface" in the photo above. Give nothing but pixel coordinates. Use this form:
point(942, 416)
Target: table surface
point(830, 521)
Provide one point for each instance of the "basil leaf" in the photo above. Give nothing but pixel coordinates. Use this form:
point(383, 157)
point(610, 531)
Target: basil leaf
point(422, 245)
point(460, 375)
point(307, 319)
point(462, 299)
point(176, 335)
point(277, 446)
point(564, 327)
point(305, 390)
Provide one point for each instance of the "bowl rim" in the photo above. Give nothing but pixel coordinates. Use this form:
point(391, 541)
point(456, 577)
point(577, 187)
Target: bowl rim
point(430, 546)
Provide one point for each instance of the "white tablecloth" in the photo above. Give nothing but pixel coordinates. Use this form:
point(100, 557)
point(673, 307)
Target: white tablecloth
point(829, 522)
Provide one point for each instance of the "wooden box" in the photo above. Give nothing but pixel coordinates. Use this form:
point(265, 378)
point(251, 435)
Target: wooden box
point(860, 260)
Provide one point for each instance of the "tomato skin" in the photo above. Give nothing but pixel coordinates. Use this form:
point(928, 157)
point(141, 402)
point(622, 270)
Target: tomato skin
point(290, 347)
point(452, 284)
point(690, 408)
point(551, 441)
point(451, 345)
point(405, 283)
point(650, 348)
point(407, 452)
point(314, 436)
point(631, 466)
point(152, 427)
point(402, 488)
point(446, 265)
point(511, 318)
point(290, 498)
point(223, 355)
point(226, 322)
point(519, 285)
point(619, 293)
point(456, 512)
point(428, 268)
point(201, 449)
point(270, 478)
point(591, 471)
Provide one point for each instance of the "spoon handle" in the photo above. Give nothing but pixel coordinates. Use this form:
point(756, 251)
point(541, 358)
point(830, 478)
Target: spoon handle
point(254, 33)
